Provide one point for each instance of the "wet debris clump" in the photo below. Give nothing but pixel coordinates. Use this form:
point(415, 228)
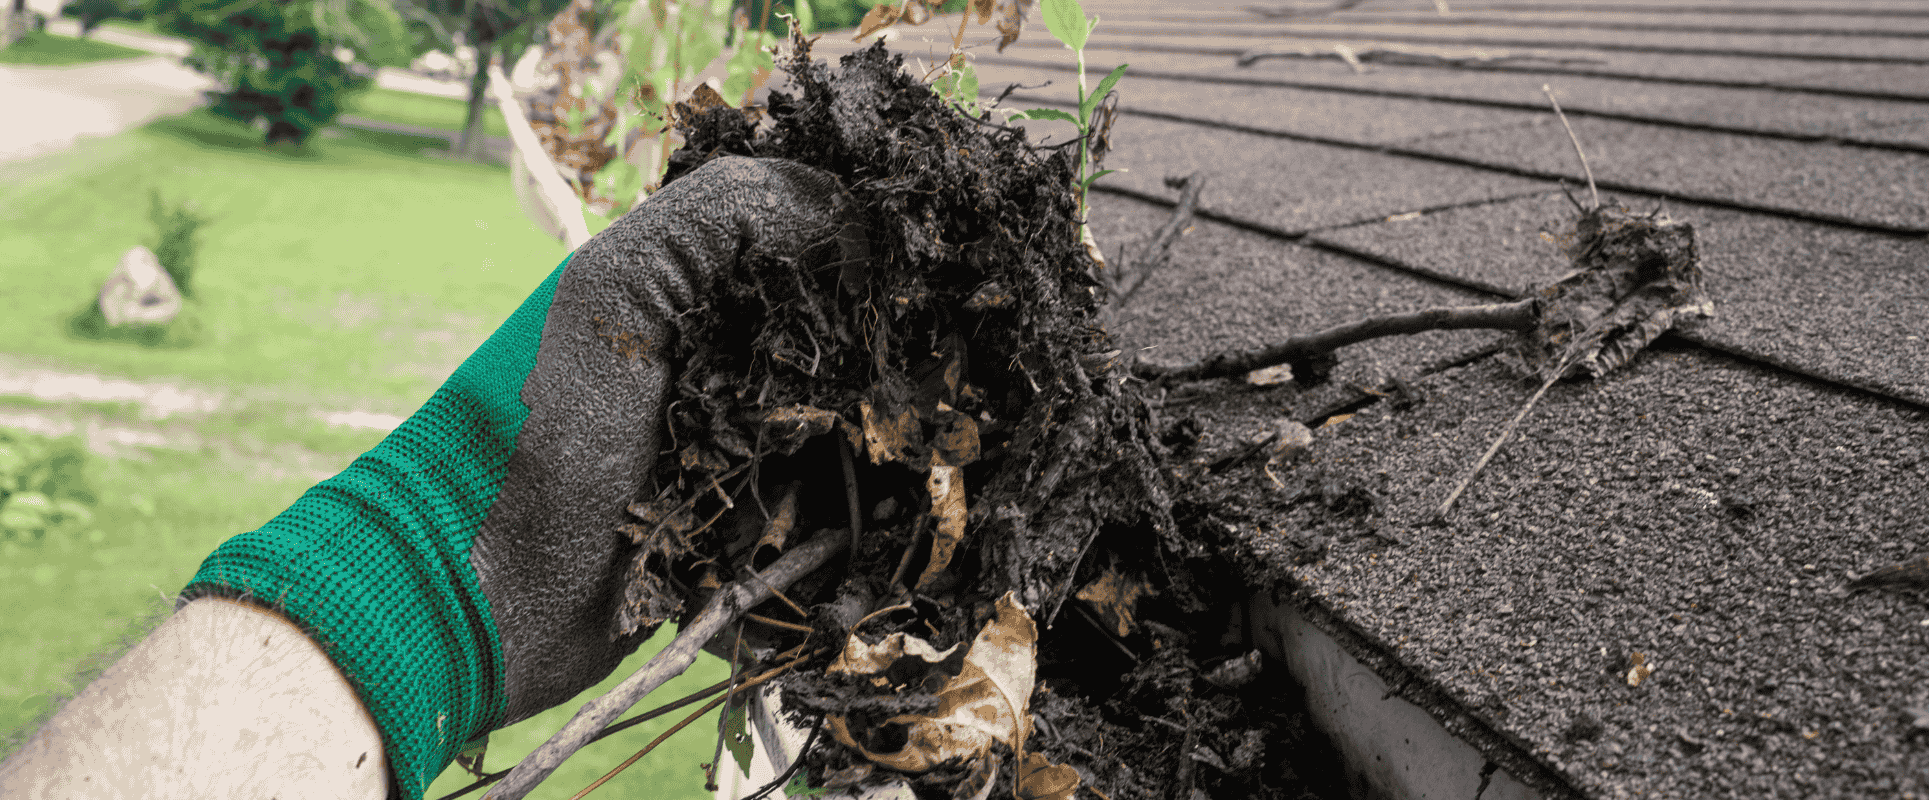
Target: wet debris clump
point(932, 381)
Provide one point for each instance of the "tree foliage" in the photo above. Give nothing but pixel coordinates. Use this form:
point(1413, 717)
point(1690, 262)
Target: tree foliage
point(275, 59)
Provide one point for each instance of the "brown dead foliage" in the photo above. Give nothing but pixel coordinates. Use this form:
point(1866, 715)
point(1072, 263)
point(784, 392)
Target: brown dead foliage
point(933, 380)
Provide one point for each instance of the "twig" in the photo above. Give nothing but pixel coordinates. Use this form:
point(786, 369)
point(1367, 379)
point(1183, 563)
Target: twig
point(1159, 249)
point(850, 493)
point(716, 756)
point(1494, 448)
point(694, 716)
point(776, 623)
point(724, 607)
point(1515, 316)
point(1585, 169)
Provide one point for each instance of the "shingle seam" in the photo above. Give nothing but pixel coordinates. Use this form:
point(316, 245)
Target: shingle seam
point(1833, 220)
point(1524, 44)
point(1574, 111)
point(1664, 8)
point(1586, 25)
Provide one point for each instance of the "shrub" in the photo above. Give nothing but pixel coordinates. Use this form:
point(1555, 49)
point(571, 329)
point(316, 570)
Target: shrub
point(277, 65)
point(174, 244)
point(92, 13)
point(43, 486)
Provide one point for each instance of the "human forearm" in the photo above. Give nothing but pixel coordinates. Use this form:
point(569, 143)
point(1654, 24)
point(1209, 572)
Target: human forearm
point(222, 700)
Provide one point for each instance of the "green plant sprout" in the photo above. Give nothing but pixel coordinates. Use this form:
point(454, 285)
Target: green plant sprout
point(1067, 22)
point(666, 43)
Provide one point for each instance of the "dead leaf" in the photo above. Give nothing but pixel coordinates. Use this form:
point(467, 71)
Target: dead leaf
point(880, 16)
point(956, 443)
point(988, 702)
point(1270, 376)
point(984, 8)
point(1335, 420)
point(946, 485)
point(782, 520)
point(789, 427)
point(1114, 595)
point(1040, 779)
point(915, 12)
point(888, 437)
point(859, 658)
point(1642, 669)
point(1636, 277)
point(1011, 20)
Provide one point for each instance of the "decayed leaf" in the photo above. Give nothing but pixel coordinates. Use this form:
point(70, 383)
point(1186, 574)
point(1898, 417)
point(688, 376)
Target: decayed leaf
point(1641, 670)
point(859, 658)
point(1636, 277)
point(946, 485)
point(984, 8)
point(988, 702)
point(1040, 779)
point(956, 443)
point(1270, 376)
point(888, 437)
point(782, 519)
point(1114, 595)
point(880, 16)
point(789, 427)
point(1011, 20)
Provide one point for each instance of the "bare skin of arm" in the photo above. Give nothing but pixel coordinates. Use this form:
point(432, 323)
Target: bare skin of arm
point(222, 700)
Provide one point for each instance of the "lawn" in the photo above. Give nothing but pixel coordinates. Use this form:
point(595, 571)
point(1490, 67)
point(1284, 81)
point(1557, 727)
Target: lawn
point(441, 113)
point(42, 49)
point(353, 274)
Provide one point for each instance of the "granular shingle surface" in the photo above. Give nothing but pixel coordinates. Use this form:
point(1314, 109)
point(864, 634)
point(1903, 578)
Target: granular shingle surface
point(1698, 511)
point(1705, 506)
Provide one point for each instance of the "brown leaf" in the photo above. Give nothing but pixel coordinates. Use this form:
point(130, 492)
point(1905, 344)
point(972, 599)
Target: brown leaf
point(878, 18)
point(859, 658)
point(946, 485)
point(1114, 595)
point(1011, 20)
point(984, 8)
point(782, 520)
point(789, 427)
point(1040, 779)
point(915, 12)
point(888, 437)
point(988, 702)
point(956, 443)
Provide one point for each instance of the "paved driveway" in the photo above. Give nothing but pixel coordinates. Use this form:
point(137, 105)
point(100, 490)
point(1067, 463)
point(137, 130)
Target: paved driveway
point(49, 107)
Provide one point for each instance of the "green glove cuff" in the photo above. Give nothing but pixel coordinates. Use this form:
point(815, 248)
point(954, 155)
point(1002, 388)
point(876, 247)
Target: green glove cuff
point(374, 562)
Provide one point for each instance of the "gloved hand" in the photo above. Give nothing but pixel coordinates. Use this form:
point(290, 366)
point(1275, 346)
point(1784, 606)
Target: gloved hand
point(464, 573)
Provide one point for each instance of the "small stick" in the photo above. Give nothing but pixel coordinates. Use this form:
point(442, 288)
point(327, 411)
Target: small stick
point(850, 492)
point(1585, 169)
point(776, 623)
point(724, 607)
point(1159, 249)
point(694, 716)
point(1517, 316)
point(1495, 447)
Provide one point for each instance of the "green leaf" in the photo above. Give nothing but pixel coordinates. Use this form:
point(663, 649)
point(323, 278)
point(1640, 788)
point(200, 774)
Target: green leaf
point(805, 16)
point(1046, 113)
point(1066, 20)
point(799, 786)
point(736, 736)
point(1087, 184)
point(1105, 86)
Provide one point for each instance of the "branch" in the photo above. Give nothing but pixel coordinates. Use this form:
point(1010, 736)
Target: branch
point(1154, 256)
point(724, 607)
point(555, 193)
point(1516, 316)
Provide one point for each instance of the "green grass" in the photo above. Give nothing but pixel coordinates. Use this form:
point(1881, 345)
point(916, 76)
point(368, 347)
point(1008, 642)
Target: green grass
point(75, 603)
point(42, 49)
point(354, 270)
point(354, 273)
point(441, 113)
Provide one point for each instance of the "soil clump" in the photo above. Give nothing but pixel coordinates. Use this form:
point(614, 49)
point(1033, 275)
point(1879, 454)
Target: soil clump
point(933, 381)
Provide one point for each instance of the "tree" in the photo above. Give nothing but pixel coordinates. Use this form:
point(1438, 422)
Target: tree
point(277, 59)
point(92, 13)
point(492, 27)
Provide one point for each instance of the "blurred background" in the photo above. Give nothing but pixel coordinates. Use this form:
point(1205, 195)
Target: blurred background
point(239, 246)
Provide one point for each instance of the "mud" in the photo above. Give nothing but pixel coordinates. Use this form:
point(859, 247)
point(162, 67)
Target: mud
point(933, 381)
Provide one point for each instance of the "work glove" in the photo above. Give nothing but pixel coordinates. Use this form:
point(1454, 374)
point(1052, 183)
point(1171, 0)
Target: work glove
point(464, 574)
